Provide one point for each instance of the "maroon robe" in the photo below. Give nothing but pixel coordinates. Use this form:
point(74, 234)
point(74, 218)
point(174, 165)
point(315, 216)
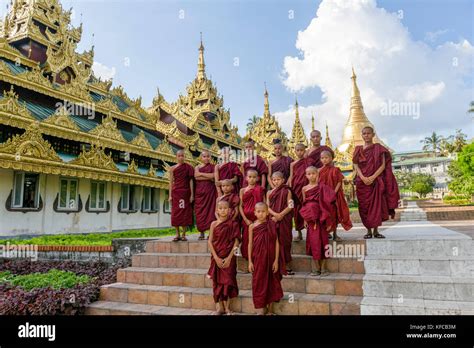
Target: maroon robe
point(249, 200)
point(314, 156)
point(278, 200)
point(266, 285)
point(376, 201)
point(224, 280)
point(282, 165)
point(299, 181)
point(205, 200)
point(230, 170)
point(317, 212)
point(233, 200)
point(181, 208)
point(331, 176)
point(256, 163)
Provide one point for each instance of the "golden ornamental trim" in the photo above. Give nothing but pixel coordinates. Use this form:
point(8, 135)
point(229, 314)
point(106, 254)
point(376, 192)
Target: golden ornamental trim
point(108, 129)
point(9, 104)
point(95, 157)
point(141, 141)
point(61, 118)
point(132, 167)
point(165, 147)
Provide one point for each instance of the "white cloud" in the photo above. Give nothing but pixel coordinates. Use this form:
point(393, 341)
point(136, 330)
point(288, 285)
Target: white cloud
point(103, 71)
point(390, 66)
point(432, 36)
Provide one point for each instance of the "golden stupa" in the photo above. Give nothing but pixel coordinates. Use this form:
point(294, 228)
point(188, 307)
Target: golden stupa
point(297, 134)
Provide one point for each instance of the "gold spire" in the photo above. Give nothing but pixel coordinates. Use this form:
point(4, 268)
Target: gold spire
point(266, 104)
point(328, 139)
point(297, 134)
point(201, 75)
point(312, 121)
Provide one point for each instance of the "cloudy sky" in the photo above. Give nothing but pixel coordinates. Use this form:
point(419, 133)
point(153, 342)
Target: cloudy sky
point(412, 54)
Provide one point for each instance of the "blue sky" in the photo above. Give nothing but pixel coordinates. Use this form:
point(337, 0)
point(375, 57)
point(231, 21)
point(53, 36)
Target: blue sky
point(161, 48)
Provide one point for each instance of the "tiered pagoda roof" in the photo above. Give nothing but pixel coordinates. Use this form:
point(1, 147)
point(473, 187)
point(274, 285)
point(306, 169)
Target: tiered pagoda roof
point(297, 134)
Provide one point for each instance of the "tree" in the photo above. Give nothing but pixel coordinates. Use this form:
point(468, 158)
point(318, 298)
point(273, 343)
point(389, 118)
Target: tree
point(433, 143)
point(453, 143)
point(461, 171)
point(471, 107)
point(252, 122)
point(422, 184)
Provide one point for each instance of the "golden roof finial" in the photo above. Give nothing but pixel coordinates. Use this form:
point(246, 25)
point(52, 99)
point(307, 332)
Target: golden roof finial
point(297, 134)
point(355, 89)
point(201, 66)
point(266, 103)
point(328, 139)
point(312, 121)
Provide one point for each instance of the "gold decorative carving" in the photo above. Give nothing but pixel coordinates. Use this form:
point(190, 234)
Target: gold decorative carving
point(141, 140)
point(9, 104)
point(61, 118)
point(96, 158)
point(108, 129)
point(132, 167)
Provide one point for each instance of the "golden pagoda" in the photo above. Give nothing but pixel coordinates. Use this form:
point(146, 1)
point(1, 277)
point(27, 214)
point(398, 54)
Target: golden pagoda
point(327, 142)
point(298, 135)
point(265, 131)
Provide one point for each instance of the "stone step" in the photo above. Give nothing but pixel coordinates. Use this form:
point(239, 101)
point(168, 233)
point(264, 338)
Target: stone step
point(456, 266)
point(435, 246)
point(201, 298)
point(419, 287)
point(343, 284)
point(300, 263)
point(394, 306)
point(124, 308)
point(195, 247)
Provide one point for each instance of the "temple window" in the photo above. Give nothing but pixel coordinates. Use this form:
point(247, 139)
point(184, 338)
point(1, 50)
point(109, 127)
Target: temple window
point(25, 190)
point(149, 200)
point(97, 200)
point(128, 198)
point(68, 193)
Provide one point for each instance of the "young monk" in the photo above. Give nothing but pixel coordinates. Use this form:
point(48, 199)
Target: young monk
point(314, 153)
point(206, 193)
point(333, 177)
point(317, 211)
point(297, 181)
point(229, 196)
point(280, 205)
point(228, 170)
point(376, 186)
point(182, 196)
point(279, 164)
point(249, 197)
point(254, 162)
point(265, 262)
point(223, 243)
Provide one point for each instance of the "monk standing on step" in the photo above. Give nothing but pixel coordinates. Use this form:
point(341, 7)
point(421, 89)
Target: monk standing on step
point(254, 162)
point(182, 196)
point(223, 244)
point(206, 194)
point(265, 262)
point(314, 153)
point(376, 186)
point(249, 197)
point(332, 176)
point(228, 170)
point(279, 164)
point(280, 205)
point(229, 196)
point(297, 181)
point(317, 211)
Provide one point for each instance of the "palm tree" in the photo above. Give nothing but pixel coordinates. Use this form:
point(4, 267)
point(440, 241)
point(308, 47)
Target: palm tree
point(433, 143)
point(252, 122)
point(471, 107)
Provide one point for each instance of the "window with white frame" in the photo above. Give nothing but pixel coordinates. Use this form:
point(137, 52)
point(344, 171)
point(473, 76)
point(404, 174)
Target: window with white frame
point(25, 190)
point(97, 200)
point(149, 199)
point(128, 197)
point(68, 194)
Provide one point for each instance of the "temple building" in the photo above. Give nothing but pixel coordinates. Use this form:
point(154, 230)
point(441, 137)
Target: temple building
point(298, 135)
point(77, 155)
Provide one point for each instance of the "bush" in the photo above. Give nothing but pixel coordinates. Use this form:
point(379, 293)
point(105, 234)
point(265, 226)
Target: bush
point(457, 199)
point(54, 278)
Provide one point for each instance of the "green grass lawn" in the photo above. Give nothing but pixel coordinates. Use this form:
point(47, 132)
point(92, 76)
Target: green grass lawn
point(99, 239)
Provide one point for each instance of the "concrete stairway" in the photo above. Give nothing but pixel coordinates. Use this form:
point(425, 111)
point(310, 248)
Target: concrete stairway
point(170, 278)
point(420, 268)
point(413, 213)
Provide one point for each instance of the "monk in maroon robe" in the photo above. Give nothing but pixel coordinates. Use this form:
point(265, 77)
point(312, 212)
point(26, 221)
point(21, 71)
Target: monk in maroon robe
point(255, 162)
point(206, 194)
point(314, 153)
point(376, 186)
point(280, 205)
point(333, 177)
point(297, 181)
point(228, 170)
point(249, 197)
point(223, 242)
point(279, 164)
point(233, 199)
point(265, 261)
point(182, 196)
point(317, 211)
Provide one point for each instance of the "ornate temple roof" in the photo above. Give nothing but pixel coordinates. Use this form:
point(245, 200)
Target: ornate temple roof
point(297, 134)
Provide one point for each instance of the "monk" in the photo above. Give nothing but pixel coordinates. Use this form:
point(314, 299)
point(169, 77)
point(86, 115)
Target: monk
point(317, 211)
point(223, 244)
point(182, 196)
point(314, 153)
point(249, 196)
point(255, 162)
point(279, 164)
point(228, 170)
point(376, 186)
point(297, 181)
point(206, 194)
point(332, 176)
point(280, 206)
point(229, 196)
point(265, 263)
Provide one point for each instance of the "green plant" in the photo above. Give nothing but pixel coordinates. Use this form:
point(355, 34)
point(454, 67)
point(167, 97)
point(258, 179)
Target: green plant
point(55, 279)
point(422, 184)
